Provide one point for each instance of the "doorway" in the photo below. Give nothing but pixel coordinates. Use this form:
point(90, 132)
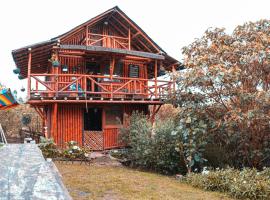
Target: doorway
point(93, 119)
point(93, 130)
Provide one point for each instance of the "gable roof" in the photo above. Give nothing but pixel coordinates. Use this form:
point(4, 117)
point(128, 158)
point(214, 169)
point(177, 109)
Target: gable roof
point(118, 17)
point(103, 15)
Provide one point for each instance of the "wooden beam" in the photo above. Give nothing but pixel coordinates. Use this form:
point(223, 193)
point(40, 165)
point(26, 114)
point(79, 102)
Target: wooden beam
point(173, 77)
point(54, 123)
point(29, 73)
point(135, 35)
point(154, 112)
point(119, 22)
point(86, 35)
point(118, 29)
point(137, 29)
point(148, 102)
point(129, 39)
point(112, 64)
point(156, 92)
point(147, 48)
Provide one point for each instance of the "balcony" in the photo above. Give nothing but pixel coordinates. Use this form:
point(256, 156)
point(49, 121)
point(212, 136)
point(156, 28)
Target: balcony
point(108, 41)
point(97, 88)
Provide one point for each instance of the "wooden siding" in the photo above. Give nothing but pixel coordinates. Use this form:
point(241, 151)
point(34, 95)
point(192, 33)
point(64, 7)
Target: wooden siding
point(69, 125)
point(111, 138)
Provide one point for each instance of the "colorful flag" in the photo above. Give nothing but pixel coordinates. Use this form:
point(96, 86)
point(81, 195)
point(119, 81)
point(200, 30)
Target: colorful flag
point(7, 100)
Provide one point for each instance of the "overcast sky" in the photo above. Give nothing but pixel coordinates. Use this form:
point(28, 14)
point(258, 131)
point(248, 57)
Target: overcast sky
point(171, 24)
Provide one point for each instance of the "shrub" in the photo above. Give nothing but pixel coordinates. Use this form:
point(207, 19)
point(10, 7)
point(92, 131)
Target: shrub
point(153, 148)
point(73, 151)
point(48, 148)
point(245, 184)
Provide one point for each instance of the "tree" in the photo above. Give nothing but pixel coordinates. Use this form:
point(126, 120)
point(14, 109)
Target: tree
point(226, 84)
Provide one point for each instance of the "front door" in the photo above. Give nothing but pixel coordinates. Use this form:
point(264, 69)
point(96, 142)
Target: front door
point(93, 131)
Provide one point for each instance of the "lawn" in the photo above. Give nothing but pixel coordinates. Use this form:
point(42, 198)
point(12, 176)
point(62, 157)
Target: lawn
point(120, 183)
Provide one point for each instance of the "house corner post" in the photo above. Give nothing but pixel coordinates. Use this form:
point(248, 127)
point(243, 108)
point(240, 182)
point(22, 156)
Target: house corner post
point(29, 72)
point(156, 69)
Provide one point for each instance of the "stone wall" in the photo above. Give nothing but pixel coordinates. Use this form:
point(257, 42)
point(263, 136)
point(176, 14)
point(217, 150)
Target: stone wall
point(11, 120)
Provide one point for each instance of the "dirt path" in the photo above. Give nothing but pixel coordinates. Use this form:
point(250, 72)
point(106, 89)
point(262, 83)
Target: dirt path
point(105, 182)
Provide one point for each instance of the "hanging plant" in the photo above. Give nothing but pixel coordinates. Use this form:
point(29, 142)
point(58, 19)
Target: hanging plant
point(16, 71)
point(55, 63)
point(20, 77)
point(54, 60)
point(22, 89)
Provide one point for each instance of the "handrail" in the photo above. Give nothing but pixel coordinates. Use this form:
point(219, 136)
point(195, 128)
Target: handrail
point(108, 36)
point(84, 84)
point(117, 41)
point(102, 76)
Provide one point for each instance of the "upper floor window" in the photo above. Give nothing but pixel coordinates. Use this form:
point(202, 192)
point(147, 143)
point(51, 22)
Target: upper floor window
point(133, 71)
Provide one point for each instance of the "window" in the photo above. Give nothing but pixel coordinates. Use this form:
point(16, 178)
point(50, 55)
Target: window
point(114, 115)
point(133, 71)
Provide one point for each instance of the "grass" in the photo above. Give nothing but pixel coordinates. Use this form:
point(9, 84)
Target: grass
point(119, 183)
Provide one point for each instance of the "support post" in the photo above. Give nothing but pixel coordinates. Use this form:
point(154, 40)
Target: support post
point(29, 73)
point(54, 123)
point(156, 92)
point(86, 36)
point(153, 114)
point(173, 77)
point(56, 72)
point(129, 39)
point(112, 67)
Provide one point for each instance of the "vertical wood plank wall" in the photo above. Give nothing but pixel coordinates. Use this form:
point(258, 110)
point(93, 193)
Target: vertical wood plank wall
point(111, 135)
point(69, 124)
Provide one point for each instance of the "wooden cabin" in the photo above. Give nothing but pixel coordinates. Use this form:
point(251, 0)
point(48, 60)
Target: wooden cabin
point(86, 82)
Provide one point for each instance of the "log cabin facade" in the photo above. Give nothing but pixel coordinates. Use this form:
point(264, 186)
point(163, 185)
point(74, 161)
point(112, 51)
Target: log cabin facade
point(86, 82)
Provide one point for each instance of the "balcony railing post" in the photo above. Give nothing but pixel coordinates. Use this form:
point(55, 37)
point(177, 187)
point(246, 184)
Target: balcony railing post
point(129, 39)
point(36, 86)
point(156, 91)
point(87, 36)
point(29, 73)
point(173, 77)
point(111, 90)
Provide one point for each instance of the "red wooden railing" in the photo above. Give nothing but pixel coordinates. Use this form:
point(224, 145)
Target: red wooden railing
point(70, 85)
point(107, 41)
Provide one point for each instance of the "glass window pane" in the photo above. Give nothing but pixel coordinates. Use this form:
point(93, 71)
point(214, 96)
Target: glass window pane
point(114, 115)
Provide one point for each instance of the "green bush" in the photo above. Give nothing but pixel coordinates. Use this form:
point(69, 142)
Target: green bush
point(153, 148)
point(73, 151)
point(244, 184)
point(48, 148)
